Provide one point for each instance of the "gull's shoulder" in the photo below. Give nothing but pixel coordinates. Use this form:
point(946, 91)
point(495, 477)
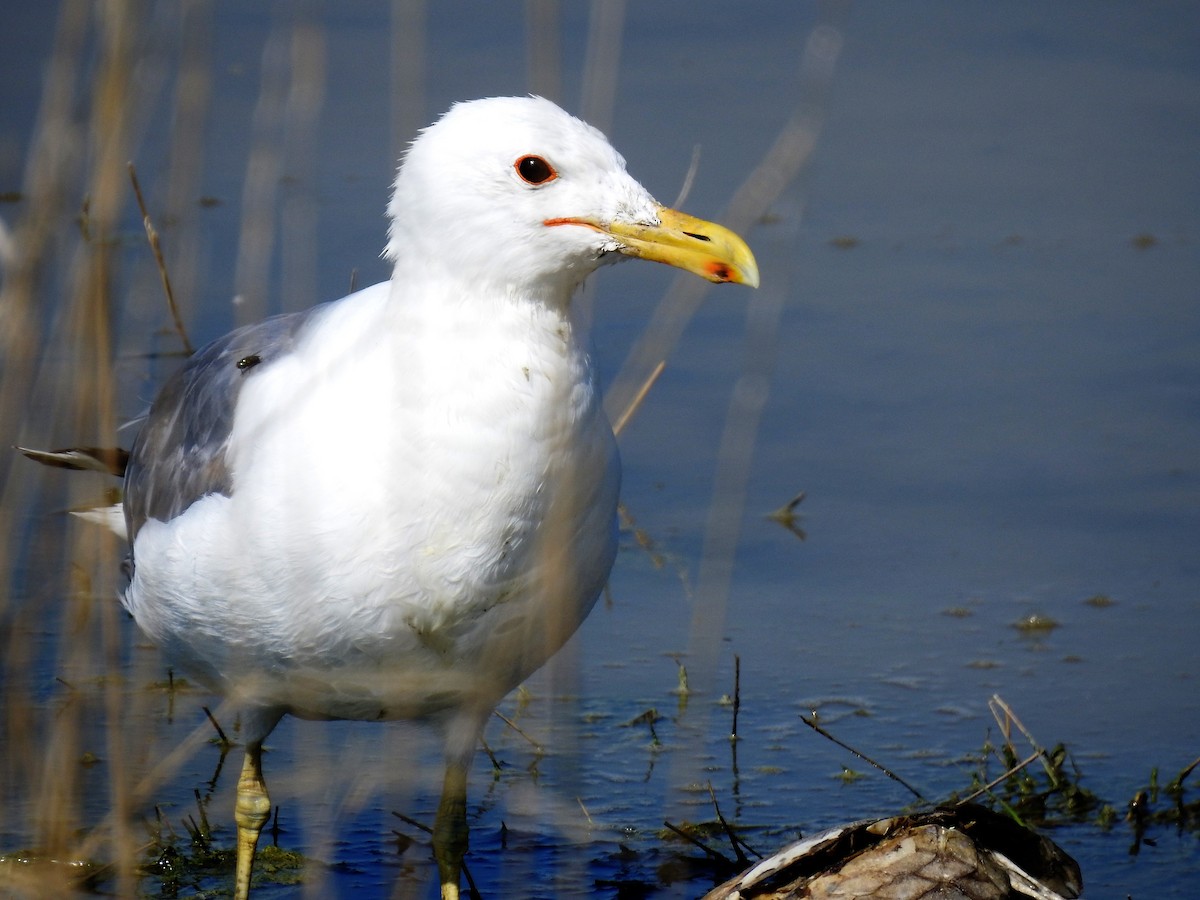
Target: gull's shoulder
point(180, 452)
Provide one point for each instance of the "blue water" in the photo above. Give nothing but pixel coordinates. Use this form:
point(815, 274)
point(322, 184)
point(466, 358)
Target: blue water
point(986, 379)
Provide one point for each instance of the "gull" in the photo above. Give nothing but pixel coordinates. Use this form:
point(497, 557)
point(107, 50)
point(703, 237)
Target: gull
point(400, 504)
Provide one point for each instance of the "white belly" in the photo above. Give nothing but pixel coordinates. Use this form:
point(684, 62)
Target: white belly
point(420, 516)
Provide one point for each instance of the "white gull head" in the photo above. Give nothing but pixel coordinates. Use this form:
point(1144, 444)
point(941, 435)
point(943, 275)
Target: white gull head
point(516, 193)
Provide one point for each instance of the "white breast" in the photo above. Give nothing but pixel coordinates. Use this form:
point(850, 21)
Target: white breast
point(423, 505)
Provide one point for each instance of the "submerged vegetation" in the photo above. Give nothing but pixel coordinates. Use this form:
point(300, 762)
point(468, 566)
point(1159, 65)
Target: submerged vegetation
point(1042, 792)
point(188, 851)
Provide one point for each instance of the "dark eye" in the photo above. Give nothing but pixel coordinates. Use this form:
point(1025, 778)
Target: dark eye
point(534, 170)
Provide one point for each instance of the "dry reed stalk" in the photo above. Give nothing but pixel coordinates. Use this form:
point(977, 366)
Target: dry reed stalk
point(61, 380)
point(26, 550)
point(634, 404)
point(1000, 778)
point(782, 165)
point(160, 262)
point(1004, 716)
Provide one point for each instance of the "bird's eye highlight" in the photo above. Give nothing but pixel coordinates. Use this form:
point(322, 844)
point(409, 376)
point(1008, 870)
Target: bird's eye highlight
point(534, 170)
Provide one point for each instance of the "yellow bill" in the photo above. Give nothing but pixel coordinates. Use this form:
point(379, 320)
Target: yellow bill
point(703, 248)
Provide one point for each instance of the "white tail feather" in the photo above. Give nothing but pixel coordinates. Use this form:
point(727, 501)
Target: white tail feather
point(111, 517)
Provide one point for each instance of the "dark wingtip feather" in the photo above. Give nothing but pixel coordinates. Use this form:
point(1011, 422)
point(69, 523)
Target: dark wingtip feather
point(108, 460)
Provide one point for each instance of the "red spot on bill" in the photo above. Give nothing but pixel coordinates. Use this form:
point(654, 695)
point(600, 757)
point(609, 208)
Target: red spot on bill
point(719, 271)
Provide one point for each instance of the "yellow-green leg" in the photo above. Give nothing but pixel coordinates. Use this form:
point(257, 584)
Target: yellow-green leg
point(450, 829)
point(251, 813)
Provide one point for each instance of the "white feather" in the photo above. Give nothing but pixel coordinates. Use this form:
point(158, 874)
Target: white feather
point(111, 517)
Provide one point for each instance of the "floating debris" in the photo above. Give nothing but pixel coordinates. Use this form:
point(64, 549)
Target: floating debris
point(40, 875)
point(1035, 623)
point(966, 851)
point(787, 516)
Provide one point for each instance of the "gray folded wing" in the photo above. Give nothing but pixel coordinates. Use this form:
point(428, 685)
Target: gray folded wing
point(179, 455)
